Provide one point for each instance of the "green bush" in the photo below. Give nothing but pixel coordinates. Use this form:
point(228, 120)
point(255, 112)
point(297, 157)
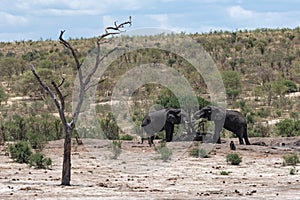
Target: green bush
point(288, 128)
point(264, 112)
point(291, 159)
point(116, 149)
point(290, 85)
point(126, 137)
point(225, 173)
point(196, 152)
point(20, 152)
point(39, 161)
point(233, 159)
point(37, 141)
point(110, 127)
point(293, 171)
point(164, 151)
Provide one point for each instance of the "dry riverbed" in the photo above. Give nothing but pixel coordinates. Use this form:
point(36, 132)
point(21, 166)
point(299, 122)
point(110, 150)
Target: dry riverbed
point(139, 173)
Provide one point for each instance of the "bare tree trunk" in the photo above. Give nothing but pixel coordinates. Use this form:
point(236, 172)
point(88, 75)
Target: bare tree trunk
point(84, 85)
point(66, 170)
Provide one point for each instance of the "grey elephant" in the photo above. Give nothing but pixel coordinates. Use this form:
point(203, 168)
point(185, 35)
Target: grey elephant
point(164, 119)
point(231, 120)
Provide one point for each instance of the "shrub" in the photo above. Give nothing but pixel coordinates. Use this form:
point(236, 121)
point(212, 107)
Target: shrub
point(225, 173)
point(126, 137)
point(39, 161)
point(233, 159)
point(116, 149)
point(291, 159)
point(110, 127)
point(20, 152)
point(37, 141)
point(290, 86)
point(164, 151)
point(264, 112)
point(293, 171)
point(196, 152)
point(288, 128)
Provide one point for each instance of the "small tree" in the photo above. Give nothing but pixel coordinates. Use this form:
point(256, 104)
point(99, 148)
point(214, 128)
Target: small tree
point(3, 96)
point(232, 83)
point(110, 127)
point(84, 85)
point(286, 127)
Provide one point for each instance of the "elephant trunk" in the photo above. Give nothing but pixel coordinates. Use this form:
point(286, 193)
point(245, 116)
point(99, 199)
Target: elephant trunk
point(199, 114)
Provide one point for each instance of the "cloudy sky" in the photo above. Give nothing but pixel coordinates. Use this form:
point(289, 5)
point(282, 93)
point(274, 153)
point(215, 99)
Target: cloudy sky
point(36, 19)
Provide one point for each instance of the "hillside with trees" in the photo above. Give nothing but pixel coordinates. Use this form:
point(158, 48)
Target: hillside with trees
point(260, 69)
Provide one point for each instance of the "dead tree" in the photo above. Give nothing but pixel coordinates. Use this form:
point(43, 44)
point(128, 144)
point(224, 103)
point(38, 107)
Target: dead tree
point(59, 99)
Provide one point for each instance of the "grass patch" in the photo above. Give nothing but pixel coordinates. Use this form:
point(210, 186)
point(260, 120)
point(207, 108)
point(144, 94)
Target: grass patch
point(225, 173)
point(164, 151)
point(126, 137)
point(198, 153)
point(116, 148)
point(291, 160)
point(233, 159)
point(293, 171)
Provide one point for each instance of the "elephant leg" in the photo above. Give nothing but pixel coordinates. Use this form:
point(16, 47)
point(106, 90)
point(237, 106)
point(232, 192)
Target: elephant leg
point(240, 138)
point(150, 140)
point(240, 134)
point(217, 136)
point(169, 129)
point(247, 140)
point(246, 136)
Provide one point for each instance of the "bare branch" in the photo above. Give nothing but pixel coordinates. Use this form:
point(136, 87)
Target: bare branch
point(95, 84)
point(117, 28)
point(62, 82)
point(53, 96)
point(58, 92)
point(69, 46)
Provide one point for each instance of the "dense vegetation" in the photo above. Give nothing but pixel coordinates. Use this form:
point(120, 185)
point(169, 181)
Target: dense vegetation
point(260, 70)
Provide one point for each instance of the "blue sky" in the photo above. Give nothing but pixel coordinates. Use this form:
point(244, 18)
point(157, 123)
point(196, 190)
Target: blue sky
point(35, 19)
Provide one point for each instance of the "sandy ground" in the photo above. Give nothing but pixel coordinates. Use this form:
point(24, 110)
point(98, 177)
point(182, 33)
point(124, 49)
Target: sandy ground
point(139, 173)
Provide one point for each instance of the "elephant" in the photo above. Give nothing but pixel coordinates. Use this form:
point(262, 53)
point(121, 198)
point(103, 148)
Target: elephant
point(164, 119)
point(231, 120)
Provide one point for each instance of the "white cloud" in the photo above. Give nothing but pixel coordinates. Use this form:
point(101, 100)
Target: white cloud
point(8, 19)
point(70, 12)
point(248, 19)
point(76, 7)
point(237, 12)
point(162, 20)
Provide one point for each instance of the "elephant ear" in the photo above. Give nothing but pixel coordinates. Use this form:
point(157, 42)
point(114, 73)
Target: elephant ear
point(184, 116)
point(202, 113)
point(146, 121)
point(173, 116)
point(217, 114)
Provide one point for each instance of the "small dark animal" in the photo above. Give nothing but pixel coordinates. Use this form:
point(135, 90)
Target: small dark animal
point(232, 146)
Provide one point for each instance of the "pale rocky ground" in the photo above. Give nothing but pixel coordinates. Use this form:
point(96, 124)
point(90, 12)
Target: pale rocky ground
point(138, 173)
